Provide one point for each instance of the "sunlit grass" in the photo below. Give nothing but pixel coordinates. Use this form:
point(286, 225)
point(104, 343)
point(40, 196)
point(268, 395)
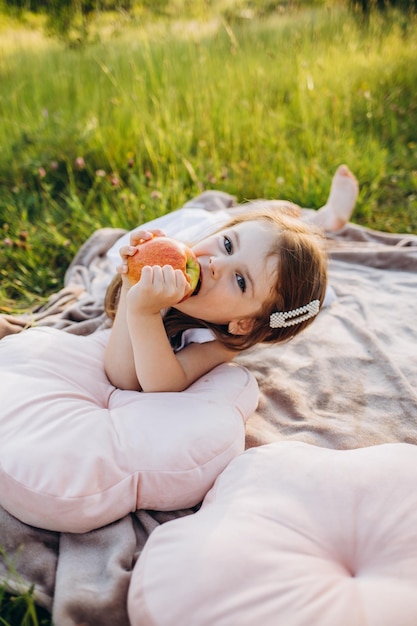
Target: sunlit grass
point(131, 126)
point(18, 605)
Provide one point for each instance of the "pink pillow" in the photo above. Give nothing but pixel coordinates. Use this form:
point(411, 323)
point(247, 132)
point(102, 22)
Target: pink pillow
point(76, 453)
point(290, 534)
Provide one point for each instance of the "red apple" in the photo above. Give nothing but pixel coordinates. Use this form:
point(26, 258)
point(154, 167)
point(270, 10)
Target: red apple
point(164, 251)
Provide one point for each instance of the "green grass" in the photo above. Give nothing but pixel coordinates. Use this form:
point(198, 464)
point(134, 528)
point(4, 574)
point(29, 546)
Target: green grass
point(256, 107)
point(20, 609)
point(17, 601)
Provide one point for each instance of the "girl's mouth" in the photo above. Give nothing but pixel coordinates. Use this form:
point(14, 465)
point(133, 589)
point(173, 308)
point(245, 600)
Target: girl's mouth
point(197, 289)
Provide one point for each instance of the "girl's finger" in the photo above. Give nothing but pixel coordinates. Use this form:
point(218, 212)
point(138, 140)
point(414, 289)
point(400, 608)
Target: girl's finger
point(126, 251)
point(139, 236)
point(122, 269)
point(158, 233)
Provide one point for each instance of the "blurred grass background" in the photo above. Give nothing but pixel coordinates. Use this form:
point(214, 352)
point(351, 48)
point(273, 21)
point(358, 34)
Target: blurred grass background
point(153, 110)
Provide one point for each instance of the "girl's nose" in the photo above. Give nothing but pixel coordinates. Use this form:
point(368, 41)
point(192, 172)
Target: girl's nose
point(215, 267)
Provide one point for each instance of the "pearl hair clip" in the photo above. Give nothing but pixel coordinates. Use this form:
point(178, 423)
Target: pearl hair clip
point(283, 319)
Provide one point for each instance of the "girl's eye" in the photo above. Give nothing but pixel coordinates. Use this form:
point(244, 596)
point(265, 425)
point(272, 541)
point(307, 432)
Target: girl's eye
point(241, 282)
point(228, 245)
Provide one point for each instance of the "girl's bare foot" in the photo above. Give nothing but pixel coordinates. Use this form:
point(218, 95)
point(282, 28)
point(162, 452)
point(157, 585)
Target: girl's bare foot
point(338, 209)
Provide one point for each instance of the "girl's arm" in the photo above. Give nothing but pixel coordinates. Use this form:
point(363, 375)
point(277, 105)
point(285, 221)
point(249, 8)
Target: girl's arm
point(118, 358)
point(160, 369)
point(139, 355)
point(157, 367)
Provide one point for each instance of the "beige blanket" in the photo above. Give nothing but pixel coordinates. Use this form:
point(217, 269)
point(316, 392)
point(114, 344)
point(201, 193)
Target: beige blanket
point(349, 381)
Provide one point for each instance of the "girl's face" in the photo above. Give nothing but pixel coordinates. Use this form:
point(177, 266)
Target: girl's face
point(236, 274)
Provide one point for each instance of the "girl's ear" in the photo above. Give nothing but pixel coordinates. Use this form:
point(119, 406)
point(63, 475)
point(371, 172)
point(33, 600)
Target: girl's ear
point(241, 327)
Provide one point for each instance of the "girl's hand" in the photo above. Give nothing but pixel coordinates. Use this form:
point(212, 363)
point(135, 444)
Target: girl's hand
point(137, 237)
point(159, 288)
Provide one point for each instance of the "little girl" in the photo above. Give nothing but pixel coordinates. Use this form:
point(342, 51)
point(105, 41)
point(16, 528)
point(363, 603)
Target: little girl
point(263, 279)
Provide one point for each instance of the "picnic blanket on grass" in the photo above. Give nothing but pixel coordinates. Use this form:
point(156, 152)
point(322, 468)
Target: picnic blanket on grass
point(348, 381)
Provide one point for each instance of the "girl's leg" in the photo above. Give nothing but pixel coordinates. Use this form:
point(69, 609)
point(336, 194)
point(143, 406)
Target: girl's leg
point(338, 209)
point(335, 214)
